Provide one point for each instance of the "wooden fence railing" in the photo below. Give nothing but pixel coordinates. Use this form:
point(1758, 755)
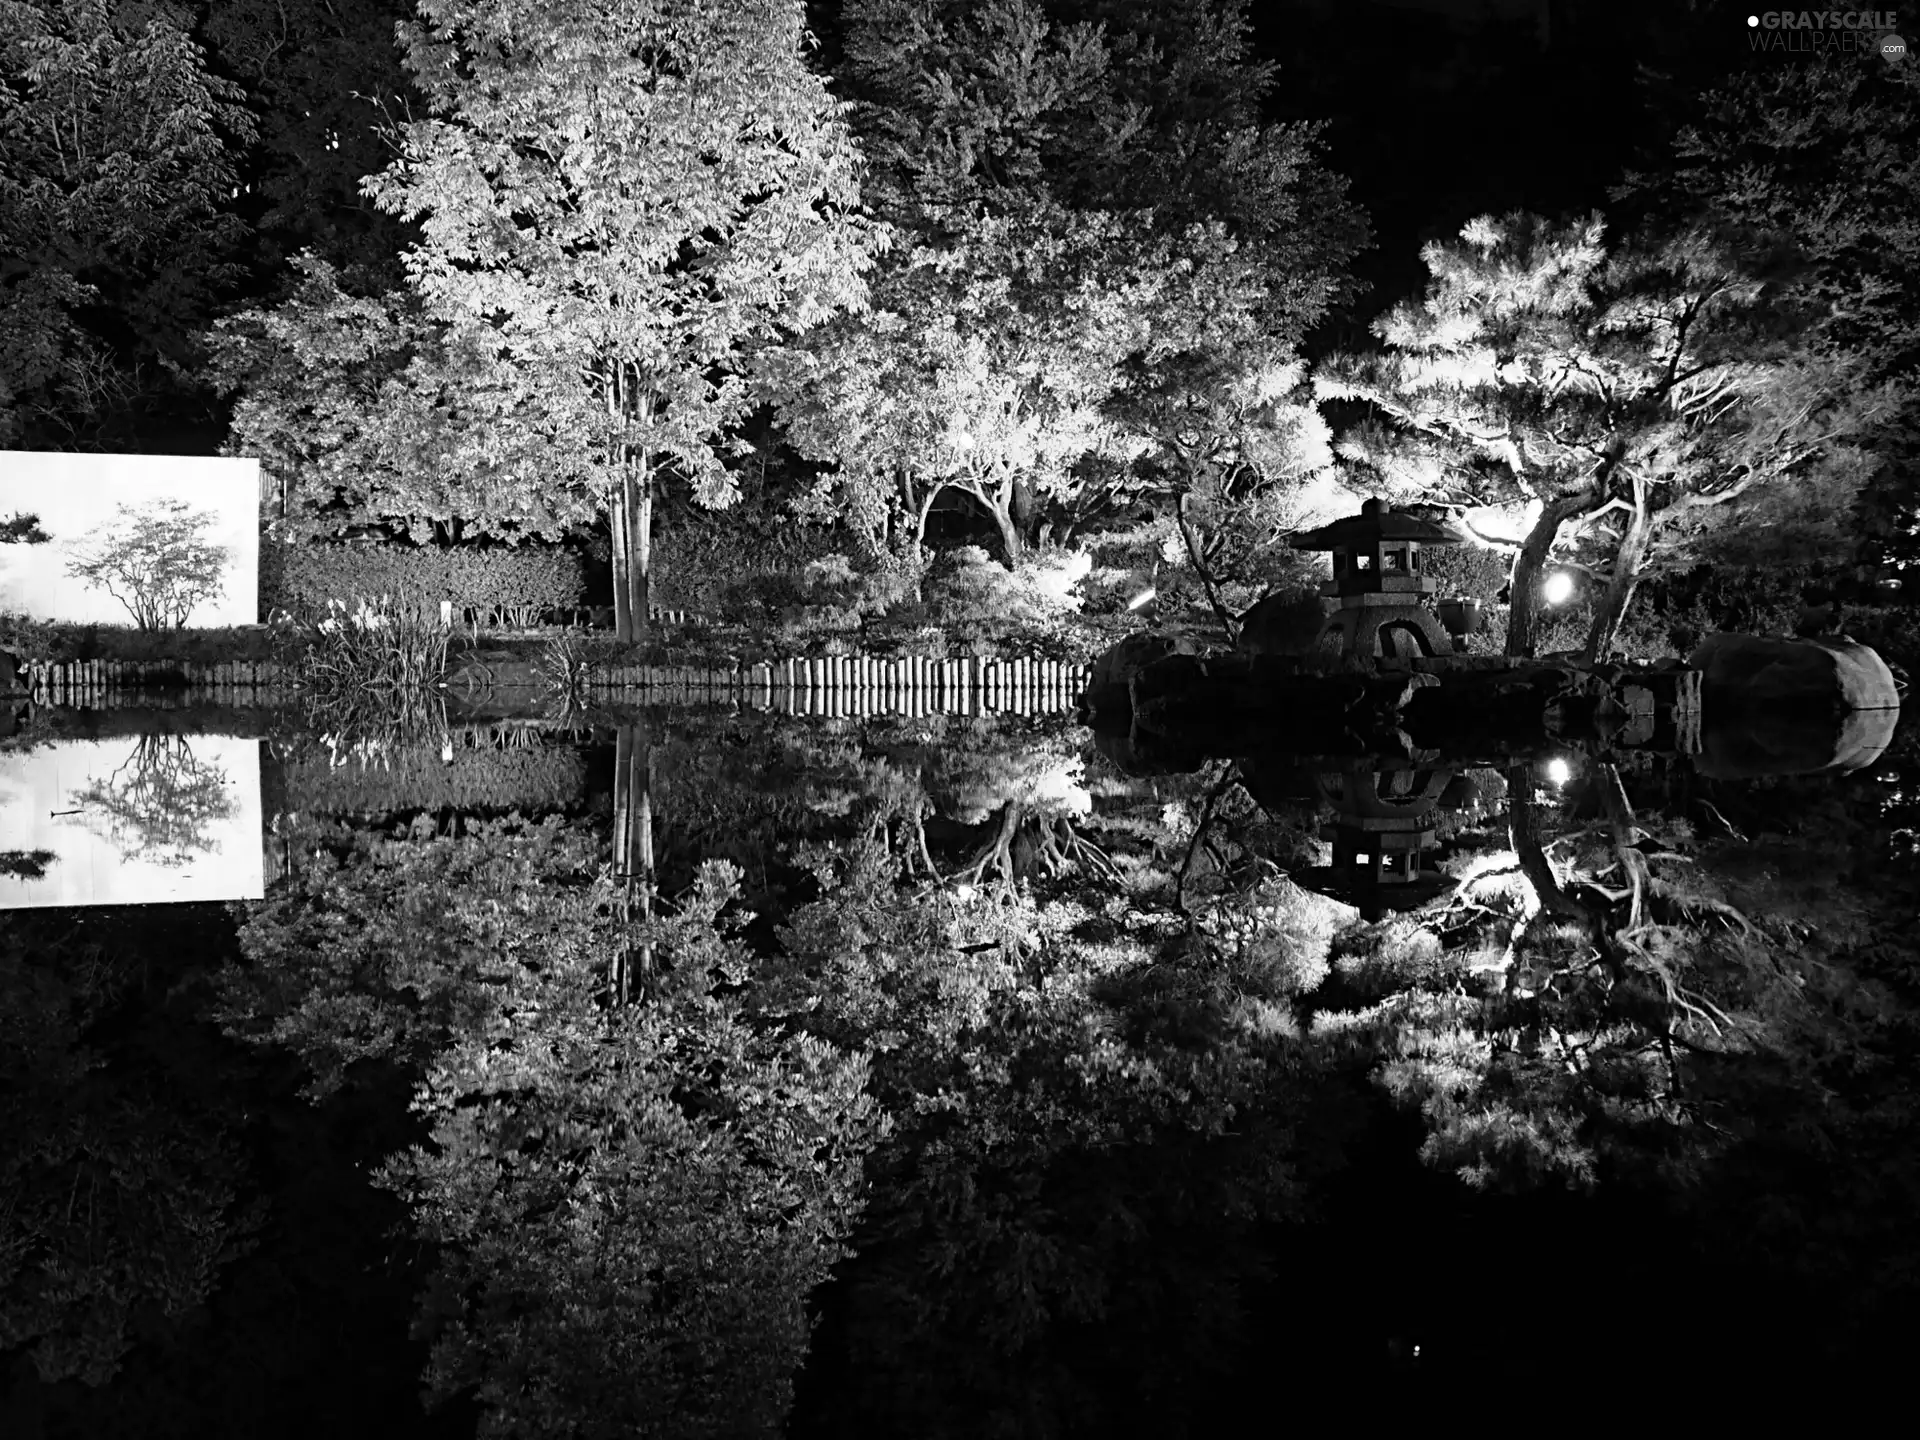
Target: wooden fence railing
point(817, 685)
point(865, 684)
point(99, 684)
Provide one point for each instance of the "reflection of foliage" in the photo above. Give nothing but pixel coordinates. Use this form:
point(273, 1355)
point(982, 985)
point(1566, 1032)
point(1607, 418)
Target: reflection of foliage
point(414, 777)
point(393, 947)
point(26, 864)
point(22, 529)
point(159, 804)
point(1653, 1012)
point(635, 1202)
point(1061, 1231)
point(156, 561)
point(117, 1190)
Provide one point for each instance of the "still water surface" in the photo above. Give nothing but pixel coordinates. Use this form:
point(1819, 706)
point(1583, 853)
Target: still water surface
point(733, 1074)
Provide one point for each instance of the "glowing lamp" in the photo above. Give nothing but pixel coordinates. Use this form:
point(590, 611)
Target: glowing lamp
point(1558, 588)
point(1558, 771)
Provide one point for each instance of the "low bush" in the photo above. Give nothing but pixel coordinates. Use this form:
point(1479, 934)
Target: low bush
point(976, 598)
point(1469, 571)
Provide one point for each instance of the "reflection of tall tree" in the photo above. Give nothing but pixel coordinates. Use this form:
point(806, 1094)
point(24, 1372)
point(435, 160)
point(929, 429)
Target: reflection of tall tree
point(160, 803)
point(1653, 1016)
point(633, 849)
point(1023, 840)
point(633, 1201)
point(1059, 1237)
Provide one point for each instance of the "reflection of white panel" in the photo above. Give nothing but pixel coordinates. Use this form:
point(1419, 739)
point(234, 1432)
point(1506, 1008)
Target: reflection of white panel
point(133, 821)
point(72, 494)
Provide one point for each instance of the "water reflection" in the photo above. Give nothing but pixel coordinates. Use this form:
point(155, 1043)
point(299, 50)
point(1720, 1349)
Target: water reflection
point(1036, 1077)
point(138, 819)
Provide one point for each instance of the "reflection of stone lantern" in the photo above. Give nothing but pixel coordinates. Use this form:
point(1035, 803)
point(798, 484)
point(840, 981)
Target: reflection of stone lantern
point(1385, 825)
point(1383, 594)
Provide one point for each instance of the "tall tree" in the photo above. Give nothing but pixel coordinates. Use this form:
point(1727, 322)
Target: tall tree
point(612, 202)
point(1820, 158)
point(371, 414)
point(325, 79)
point(983, 374)
point(1052, 166)
point(117, 173)
point(1660, 379)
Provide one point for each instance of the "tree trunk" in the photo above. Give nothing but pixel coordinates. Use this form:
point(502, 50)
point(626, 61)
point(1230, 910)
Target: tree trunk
point(1523, 619)
point(1627, 559)
point(1523, 835)
point(917, 549)
point(1200, 568)
point(620, 532)
point(640, 563)
point(633, 851)
point(999, 504)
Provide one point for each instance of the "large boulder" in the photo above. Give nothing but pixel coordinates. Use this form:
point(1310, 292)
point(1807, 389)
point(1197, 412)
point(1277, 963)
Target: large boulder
point(1831, 676)
point(13, 676)
point(1287, 622)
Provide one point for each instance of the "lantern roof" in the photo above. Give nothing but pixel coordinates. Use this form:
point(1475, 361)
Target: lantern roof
point(1376, 521)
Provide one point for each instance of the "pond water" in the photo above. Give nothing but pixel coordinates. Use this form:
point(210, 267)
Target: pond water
point(723, 1073)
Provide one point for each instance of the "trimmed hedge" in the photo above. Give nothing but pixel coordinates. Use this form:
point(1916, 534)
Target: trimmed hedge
point(301, 579)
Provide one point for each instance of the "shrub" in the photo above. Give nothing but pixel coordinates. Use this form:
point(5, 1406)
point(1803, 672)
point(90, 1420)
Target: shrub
point(375, 667)
point(738, 565)
point(977, 598)
point(518, 583)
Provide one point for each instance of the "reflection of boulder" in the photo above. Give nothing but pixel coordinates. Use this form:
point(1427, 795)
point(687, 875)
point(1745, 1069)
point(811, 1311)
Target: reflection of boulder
point(1278, 781)
point(1759, 740)
point(1287, 622)
point(1742, 673)
point(1143, 753)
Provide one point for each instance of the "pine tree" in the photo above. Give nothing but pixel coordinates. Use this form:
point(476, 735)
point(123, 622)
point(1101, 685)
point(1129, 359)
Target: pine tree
point(1659, 379)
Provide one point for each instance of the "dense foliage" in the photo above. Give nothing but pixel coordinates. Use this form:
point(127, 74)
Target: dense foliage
point(302, 579)
point(118, 153)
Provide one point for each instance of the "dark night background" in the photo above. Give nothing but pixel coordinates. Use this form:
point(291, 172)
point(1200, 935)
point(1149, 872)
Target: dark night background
point(1435, 112)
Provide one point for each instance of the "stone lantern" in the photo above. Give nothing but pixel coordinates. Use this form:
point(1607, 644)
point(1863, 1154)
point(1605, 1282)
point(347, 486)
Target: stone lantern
point(1384, 828)
point(1385, 598)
